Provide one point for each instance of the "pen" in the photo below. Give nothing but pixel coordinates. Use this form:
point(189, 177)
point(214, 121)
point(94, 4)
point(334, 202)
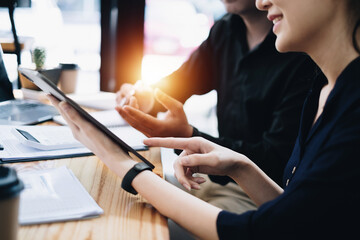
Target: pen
point(124, 100)
point(132, 93)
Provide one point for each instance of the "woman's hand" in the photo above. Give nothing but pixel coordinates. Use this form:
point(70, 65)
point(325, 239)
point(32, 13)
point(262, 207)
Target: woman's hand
point(110, 153)
point(200, 156)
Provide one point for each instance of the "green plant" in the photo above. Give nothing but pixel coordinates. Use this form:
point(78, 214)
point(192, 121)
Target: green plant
point(39, 57)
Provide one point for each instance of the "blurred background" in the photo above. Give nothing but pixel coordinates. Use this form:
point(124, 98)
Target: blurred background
point(93, 34)
point(114, 41)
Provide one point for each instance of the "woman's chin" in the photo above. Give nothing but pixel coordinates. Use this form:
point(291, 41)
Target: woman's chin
point(283, 46)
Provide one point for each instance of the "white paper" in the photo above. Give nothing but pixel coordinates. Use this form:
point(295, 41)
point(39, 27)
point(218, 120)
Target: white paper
point(109, 118)
point(15, 150)
point(99, 100)
point(53, 195)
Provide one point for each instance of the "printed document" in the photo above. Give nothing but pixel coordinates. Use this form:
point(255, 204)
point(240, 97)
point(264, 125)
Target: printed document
point(53, 195)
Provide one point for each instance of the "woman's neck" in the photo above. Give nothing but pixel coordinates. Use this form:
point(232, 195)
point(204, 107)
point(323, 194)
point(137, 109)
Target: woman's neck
point(257, 27)
point(333, 59)
point(333, 51)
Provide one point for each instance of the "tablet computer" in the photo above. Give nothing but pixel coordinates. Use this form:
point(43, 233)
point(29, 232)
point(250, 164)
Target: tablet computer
point(50, 88)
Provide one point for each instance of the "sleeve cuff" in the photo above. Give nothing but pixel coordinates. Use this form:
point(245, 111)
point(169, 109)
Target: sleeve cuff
point(196, 132)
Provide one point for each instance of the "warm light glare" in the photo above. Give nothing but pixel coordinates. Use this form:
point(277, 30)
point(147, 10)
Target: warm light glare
point(155, 67)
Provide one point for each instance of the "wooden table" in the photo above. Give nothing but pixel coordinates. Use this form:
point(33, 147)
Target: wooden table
point(125, 216)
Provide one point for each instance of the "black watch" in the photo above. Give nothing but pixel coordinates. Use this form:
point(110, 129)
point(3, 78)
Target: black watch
point(131, 174)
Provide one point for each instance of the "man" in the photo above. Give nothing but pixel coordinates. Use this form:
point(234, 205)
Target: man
point(260, 96)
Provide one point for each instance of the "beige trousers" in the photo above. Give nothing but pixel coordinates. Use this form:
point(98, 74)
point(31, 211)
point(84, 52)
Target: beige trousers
point(229, 197)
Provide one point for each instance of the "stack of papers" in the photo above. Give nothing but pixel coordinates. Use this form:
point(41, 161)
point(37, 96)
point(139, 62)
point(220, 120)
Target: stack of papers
point(13, 150)
point(47, 197)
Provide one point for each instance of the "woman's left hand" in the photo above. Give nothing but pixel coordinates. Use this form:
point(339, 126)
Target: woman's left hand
point(85, 132)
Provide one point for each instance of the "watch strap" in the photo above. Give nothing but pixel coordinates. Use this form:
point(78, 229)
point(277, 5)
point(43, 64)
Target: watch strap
point(131, 174)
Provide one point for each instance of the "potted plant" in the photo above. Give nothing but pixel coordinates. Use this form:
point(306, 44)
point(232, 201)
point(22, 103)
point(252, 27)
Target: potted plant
point(39, 55)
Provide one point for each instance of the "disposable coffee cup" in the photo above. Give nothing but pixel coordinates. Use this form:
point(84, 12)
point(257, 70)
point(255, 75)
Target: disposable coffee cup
point(68, 77)
point(10, 188)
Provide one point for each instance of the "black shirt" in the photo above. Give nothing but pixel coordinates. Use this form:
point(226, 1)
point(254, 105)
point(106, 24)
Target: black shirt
point(5, 85)
point(260, 92)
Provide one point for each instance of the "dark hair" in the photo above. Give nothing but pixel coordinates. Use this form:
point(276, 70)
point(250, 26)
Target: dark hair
point(354, 8)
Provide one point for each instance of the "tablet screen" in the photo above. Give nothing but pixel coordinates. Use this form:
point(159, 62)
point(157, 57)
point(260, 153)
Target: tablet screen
point(48, 87)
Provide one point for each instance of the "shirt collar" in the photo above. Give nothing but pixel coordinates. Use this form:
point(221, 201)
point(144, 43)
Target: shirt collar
point(238, 26)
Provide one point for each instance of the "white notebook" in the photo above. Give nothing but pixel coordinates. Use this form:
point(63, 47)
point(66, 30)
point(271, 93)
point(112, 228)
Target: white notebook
point(47, 197)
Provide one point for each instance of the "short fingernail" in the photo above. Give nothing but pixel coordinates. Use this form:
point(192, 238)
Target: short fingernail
point(187, 186)
point(201, 180)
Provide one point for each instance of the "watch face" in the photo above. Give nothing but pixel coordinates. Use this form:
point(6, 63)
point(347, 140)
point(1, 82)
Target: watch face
point(138, 166)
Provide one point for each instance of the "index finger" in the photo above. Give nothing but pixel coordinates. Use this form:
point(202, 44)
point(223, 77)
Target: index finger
point(170, 142)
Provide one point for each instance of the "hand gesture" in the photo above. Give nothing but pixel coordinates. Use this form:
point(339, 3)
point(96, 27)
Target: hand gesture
point(200, 156)
point(139, 96)
point(174, 124)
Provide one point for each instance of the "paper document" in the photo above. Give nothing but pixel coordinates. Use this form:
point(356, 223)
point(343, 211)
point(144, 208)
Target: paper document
point(54, 195)
point(99, 100)
point(109, 118)
point(14, 151)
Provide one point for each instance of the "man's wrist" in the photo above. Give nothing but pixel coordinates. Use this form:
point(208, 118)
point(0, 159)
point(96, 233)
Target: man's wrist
point(195, 132)
point(190, 131)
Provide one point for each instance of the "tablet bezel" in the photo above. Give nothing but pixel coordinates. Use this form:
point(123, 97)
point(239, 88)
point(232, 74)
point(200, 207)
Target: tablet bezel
point(50, 88)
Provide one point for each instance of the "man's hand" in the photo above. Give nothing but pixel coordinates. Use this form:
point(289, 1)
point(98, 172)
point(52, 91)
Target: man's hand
point(139, 96)
point(174, 124)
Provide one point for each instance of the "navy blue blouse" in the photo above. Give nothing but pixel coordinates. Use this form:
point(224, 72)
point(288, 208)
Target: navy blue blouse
point(321, 196)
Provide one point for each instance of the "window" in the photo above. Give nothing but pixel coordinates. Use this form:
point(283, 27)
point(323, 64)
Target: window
point(173, 29)
point(69, 30)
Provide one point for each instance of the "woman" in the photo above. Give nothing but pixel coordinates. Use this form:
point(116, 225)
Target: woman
point(320, 196)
